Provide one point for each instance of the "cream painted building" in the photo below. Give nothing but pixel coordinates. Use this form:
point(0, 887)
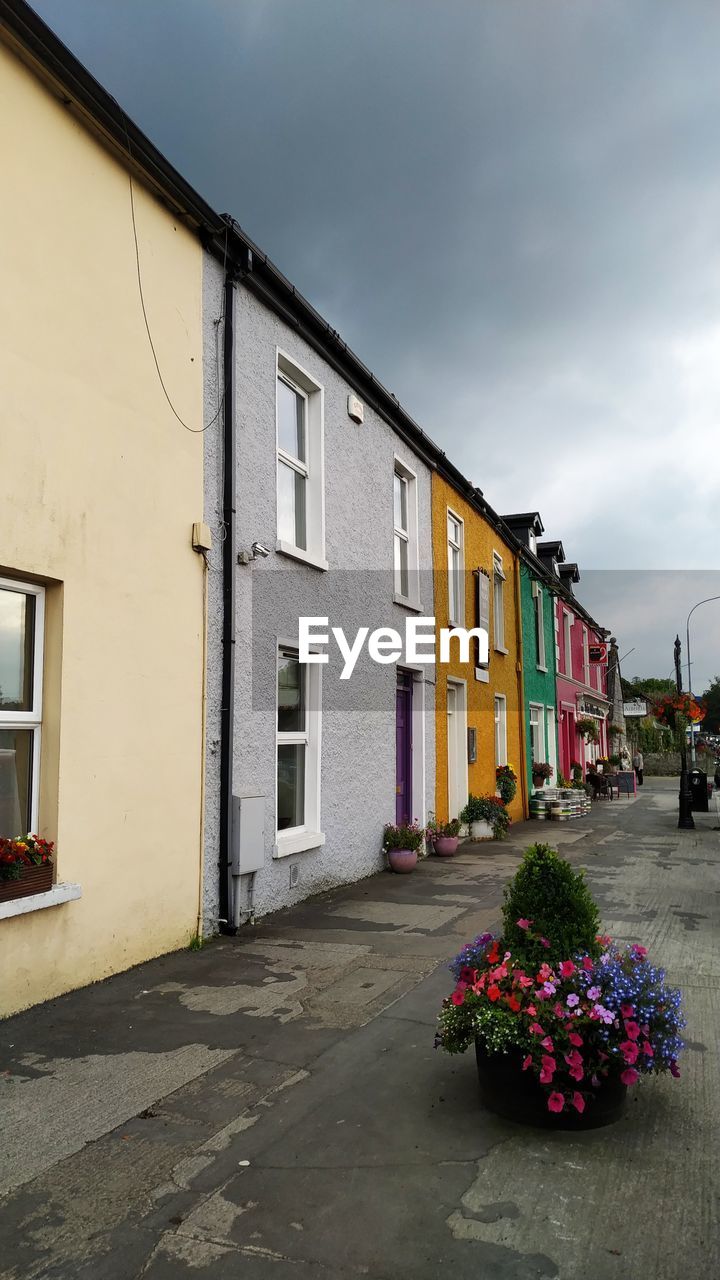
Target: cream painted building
point(101, 592)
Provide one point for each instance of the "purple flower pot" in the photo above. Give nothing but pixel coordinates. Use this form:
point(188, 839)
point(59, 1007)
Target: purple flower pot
point(446, 846)
point(402, 860)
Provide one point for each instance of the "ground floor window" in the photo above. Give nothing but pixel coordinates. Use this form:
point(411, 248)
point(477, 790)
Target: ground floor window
point(21, 666)
point(298, 745)
point(500, 729)
point(537, 733)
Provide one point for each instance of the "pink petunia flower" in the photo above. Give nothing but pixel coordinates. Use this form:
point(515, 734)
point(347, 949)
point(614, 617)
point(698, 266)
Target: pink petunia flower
point(627, 1010)
point(536, 1029)
point(524, 980)
point(567, 969)
point(559, 1011)
point(648, 1049)
point(522, 923)
point(544, 942)
point(578, 1102)
point(458, 997)
point(632, 1030)
point(573, 1058)
point(532, 1011)
point(587, 964)
point(547, 1044)
point(630, 1076)
point(674, 1069)
point(527, 1062)
point(639, 951)
point(556, 1102)
point(546, 1076)
point(575, 1039)
point(629, 1050)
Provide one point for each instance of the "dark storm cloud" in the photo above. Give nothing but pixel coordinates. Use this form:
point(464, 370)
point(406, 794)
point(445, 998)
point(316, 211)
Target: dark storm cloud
point(511, 210)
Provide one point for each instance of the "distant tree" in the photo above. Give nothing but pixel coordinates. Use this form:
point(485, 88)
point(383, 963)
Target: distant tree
point(650, 685)
point(711, 702)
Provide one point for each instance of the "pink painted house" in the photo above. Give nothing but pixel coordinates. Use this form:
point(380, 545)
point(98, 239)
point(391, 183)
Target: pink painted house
point(581, 660)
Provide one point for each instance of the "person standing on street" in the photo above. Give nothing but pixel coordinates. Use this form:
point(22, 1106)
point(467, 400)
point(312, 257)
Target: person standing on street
point(638, 766)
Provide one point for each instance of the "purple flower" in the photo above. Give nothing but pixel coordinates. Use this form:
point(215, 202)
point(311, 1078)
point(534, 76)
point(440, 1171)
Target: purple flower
point(605, 1015)
point(572, 1000)
point(593, 993)
point(548, 989)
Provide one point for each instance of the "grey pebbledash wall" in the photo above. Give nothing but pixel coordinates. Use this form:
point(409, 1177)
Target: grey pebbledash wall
point(358, 718)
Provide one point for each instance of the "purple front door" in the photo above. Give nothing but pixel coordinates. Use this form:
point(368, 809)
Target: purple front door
point(403, 748)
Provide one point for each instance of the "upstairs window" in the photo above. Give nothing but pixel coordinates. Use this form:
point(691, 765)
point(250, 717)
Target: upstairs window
point(586, 656)
point(406, 588)
point(567, 625)
point(539, 627)
point(499, 603)
point(300, 464)
point(21, 666)
point(456, 570)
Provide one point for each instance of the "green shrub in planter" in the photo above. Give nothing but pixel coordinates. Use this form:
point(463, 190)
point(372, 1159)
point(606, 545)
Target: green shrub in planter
point(487, 809)
point(554, 900)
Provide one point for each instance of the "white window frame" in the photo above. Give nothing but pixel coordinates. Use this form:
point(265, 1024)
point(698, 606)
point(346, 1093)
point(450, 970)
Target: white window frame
point(31, 719)
point(287, 370)
point(456, 575)
point(498, 612)
point(309, 835)
point(586, 657)
point(410, 536)
point(500, 729)
point(567, 642)
point(540, 655)
point(537, 709)
point(551, 731)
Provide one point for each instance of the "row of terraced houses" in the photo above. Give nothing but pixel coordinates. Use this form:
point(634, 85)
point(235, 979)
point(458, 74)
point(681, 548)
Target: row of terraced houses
point(161, 539)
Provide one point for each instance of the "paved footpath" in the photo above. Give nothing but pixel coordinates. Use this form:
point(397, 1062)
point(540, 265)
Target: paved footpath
point(272, 1106)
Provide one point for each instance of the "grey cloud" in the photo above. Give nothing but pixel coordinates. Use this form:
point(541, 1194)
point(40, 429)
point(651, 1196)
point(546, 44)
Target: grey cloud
point(510, 209)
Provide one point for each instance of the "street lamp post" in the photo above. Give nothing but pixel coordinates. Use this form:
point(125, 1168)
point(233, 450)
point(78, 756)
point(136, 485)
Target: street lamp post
point(689, 666)
point(685, 818)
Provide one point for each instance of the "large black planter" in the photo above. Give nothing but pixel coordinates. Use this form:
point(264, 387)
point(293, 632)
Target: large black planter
point(517, 1095)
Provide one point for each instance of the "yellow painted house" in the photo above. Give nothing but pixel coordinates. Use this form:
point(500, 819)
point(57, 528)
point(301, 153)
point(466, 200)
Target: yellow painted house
point(479, 708)
point(101, 593)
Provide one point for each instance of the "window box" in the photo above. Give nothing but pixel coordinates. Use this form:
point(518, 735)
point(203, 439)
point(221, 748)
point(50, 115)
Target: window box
point(31, 880)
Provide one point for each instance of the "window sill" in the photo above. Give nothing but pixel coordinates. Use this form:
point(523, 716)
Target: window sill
point(482, 674)
point(499, 648)
point(541, 668)
point(304, 840)
point(297, 553)
point(407, 603)
point(64, 892)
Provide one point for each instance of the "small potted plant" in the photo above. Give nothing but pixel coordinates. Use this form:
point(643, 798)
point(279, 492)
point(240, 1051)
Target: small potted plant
point(542, 772)
point(486, 817)
point(446, 837)
point(401, 844)
point(564, 1021)
point(506, 782)
point(26, 866)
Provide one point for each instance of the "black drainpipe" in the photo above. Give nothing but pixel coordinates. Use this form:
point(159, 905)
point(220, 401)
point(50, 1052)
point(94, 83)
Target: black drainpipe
point(227, 710)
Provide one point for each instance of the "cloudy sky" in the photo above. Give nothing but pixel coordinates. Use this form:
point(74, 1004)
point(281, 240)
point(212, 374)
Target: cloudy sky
point(509, 208)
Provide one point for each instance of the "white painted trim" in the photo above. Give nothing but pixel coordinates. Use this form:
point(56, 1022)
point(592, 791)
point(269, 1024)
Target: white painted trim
point(297, 553)
point(460, 620)
point(300, 843)
point(63, 892)
point(482, 674)
point(31, 720)
point(405, 603)
point(287, 367)
point(500, 697)
point(411, 601)
point(461, 686)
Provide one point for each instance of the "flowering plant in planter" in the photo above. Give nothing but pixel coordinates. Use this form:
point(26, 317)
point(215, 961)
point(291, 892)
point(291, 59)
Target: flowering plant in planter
point(506, 780)
point(667, 709)
point(409, 836)
point(541, 769)
point(588, 728)
point(488, 809)
point(576, 1018)
point(22, 852)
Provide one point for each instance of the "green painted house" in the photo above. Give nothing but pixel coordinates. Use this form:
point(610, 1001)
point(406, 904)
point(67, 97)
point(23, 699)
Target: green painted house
point(538, 645)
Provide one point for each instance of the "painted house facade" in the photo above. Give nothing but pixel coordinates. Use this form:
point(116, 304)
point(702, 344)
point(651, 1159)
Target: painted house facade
point(479, 706)
point(582, 660)
point(321, 508)
point(538, 647)
point(101, 593)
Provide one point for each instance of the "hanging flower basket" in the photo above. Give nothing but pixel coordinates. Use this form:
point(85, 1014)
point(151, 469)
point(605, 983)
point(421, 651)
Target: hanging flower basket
point(26, 867)
point(588, 728)
point(673, 705)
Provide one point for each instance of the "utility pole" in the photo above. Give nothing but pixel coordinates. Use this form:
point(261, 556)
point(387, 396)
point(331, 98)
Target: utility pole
point(685, 818)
